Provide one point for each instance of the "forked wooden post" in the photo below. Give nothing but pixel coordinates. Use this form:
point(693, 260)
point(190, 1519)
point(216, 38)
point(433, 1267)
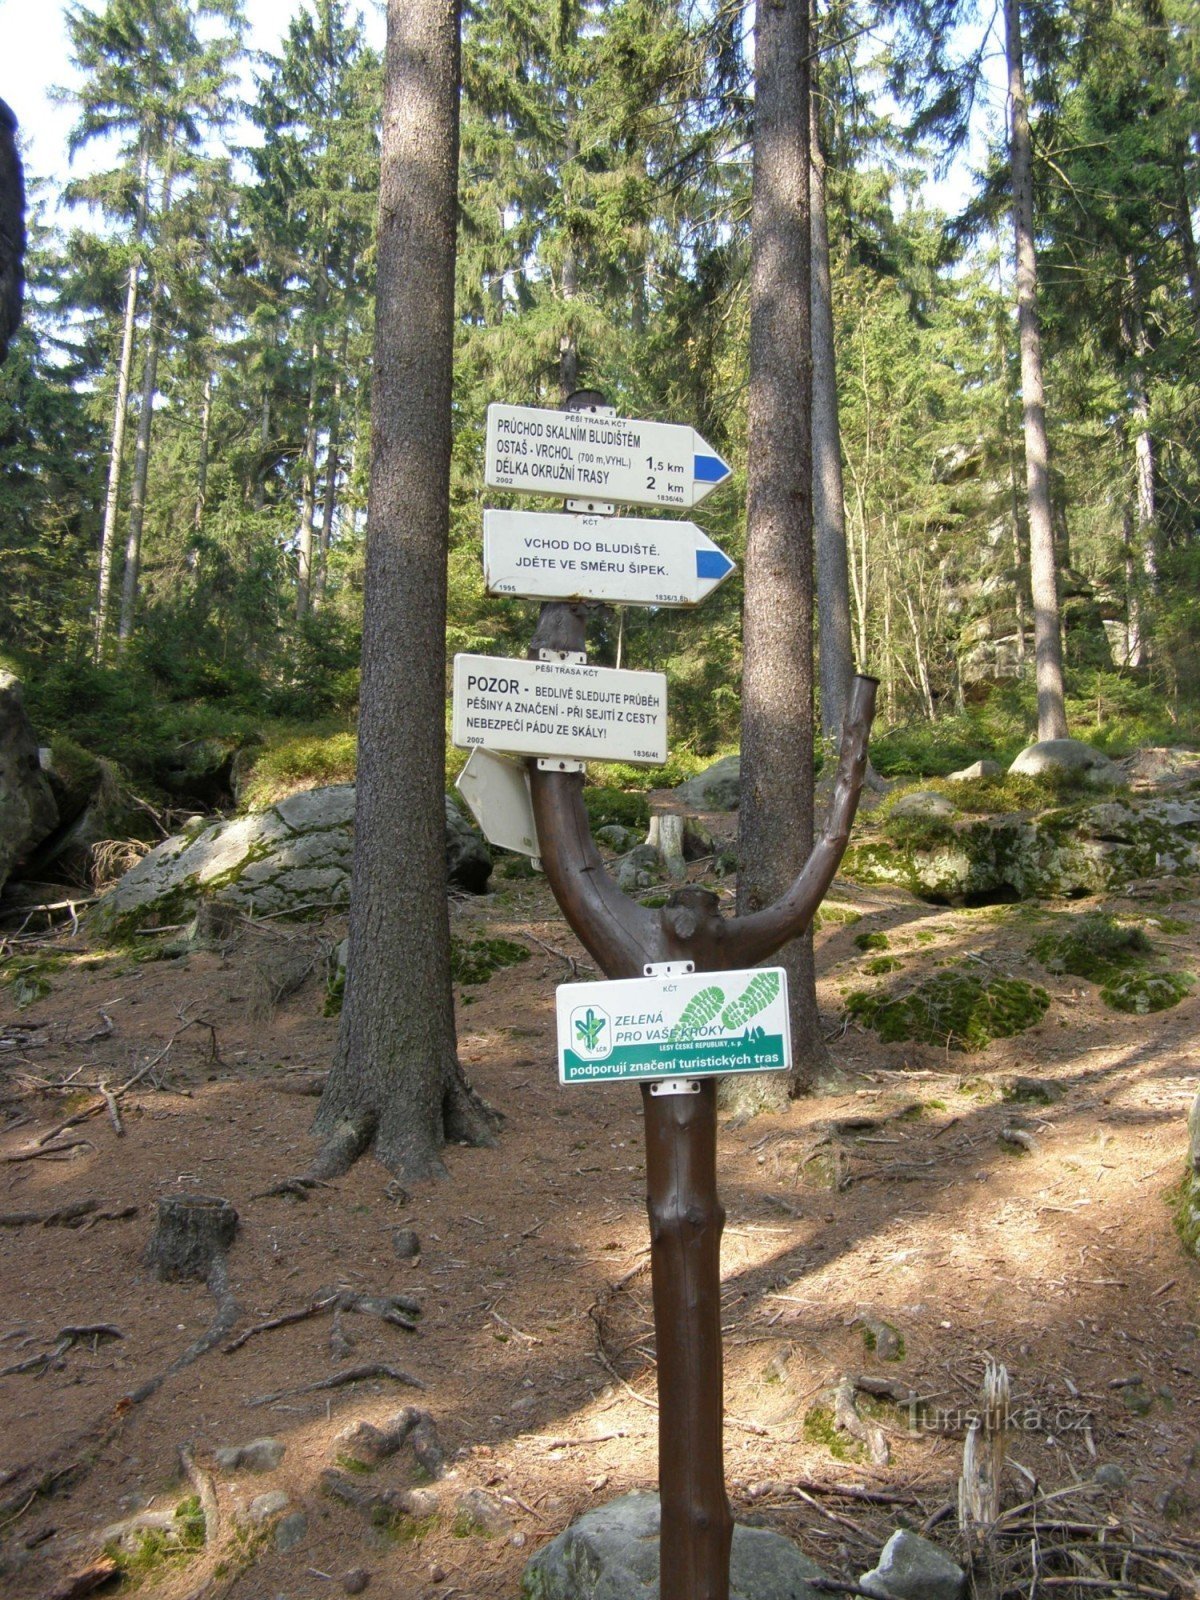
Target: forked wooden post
point(686, 1217)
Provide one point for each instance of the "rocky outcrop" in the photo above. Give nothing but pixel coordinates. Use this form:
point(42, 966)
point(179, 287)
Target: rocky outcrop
point(1072, 851)
point(1073, 757)
point(717, 788)
point(28, 812)
point(291, 858)
point(611, 1553)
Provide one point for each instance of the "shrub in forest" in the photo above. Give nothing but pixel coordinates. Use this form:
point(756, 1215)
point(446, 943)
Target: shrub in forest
point(606, 806)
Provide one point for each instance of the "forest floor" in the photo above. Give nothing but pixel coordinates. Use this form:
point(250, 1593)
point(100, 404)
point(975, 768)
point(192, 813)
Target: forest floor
point(889, 1194)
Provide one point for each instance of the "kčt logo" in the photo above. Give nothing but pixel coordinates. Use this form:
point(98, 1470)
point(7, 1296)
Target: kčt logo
point(591, 1032)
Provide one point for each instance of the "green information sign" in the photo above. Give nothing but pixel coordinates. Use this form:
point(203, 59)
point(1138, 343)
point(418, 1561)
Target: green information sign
point(690, 1026)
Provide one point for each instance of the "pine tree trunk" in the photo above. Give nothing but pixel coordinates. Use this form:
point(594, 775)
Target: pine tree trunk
point(834, 650)
point(202, 453)
point(1187, 237)
point(112, 495)
point(141, 468)
point(775, 819)
point(1043, 572)
point(332, 468)
point(308, 491)
point(264, 439)
point(396, 1062)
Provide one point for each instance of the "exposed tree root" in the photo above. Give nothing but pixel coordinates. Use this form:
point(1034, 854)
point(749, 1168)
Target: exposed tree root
point(370, 1369)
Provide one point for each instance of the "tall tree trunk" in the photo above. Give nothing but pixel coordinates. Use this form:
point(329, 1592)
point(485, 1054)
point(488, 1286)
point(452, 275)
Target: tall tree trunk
point(834, 650)
point(202, 454)
point(1187, 237)
point(1043, 573)
point(332, 468)
point(775, 819)
point(141, 467)
point(1133, 594)
point(264, 439)
point(396, 1068)
point(112, 495)
point(308, 490)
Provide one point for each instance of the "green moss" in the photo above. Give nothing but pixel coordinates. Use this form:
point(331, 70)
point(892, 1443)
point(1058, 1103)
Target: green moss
point(516, 867)
point(919, 833)
point(821, 1429)
point(871, 941)
point(1185, 1202)
point(882, 964)
point(474, 960)
point(158, 1547)
point(335, 993)
point(1144, 992)
point(955, 1009)
point(830, 915)
point(1096, 947)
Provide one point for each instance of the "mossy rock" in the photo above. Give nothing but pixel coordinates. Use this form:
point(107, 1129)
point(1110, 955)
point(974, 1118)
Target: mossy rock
point(882, 964)
point(473, 961)
point(955, 1009)
point(1097, 946)
point(871, 941)
point(1144, 992)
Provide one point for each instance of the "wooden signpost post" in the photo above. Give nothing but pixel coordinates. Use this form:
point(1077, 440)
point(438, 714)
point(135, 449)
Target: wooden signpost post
point(681, 1005)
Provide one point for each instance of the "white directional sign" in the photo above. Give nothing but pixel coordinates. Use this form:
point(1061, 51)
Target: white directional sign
point(689, 1026)
point(496, 790)
point(632, 561)
point(560, 708)
point(599, 458)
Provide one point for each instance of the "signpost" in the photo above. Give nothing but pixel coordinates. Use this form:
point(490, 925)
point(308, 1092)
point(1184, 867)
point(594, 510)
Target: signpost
point(496, 790)
point(689, 1025)
point(560, 708)
point(630, 561)
point(599, 457)
point(660, 1021)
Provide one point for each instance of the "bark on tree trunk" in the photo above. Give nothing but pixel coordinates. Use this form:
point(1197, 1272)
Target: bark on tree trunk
point(141, 468)
point(396, 1059)
point(112, 495)
point(1043, 574)
point(775, 819)
point(835, 652)
point(308, 491)
point(202, 456)
point(333, 466)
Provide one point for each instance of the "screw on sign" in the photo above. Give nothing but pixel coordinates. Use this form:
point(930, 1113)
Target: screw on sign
point(686, 1007)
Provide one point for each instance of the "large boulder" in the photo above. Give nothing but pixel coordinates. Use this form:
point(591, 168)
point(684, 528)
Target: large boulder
point(1071, 851)
point(28, 812)
point(717, 788)
point(290, 858)
point(912, 1568)
point(1070, 756)
point(611, 1553)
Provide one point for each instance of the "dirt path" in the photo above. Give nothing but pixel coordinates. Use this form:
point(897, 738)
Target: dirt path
point(890, 1196)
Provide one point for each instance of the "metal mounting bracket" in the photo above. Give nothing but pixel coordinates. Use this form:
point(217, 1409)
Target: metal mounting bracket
point(592, 508)
point(553, 764)
point(573, 658)
point(672, 969)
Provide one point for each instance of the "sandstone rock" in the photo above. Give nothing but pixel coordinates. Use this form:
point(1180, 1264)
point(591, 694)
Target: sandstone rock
point(924, 803)
point(977, 769)
point(1070, 755)
point(291, 1531)
point(911, 1568)
point(265, 1506)
point(260, 1455)
point(28, 812)
point(1187, 1210)
point(356, 1580)
point(1157, 768)
point(642, 868)
point(717, 788)
point(617, 837)
point(1062, 853)
point(479, 1511)
point(1110, 1476)
point(405, 1243)
point(611, 1553)
point(296, 853)
point(363, 1443)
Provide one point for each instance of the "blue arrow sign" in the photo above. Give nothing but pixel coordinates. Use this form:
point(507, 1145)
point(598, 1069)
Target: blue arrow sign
point(582, 455)
point(630, 561)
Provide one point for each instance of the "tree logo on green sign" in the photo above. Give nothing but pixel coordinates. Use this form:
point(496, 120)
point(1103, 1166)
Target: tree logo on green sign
point(591, 1033)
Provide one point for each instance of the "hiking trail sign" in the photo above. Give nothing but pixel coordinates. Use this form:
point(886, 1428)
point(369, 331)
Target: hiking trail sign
point(560, 708)
point(632, 561)
point(599, 457)
point(687, 1025)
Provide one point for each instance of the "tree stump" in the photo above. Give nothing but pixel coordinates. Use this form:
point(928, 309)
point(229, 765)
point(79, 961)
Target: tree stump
point(666, 835)
point(192, 1233)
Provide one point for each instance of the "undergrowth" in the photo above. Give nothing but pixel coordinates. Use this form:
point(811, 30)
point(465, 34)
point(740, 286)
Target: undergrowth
point(956, 1009)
